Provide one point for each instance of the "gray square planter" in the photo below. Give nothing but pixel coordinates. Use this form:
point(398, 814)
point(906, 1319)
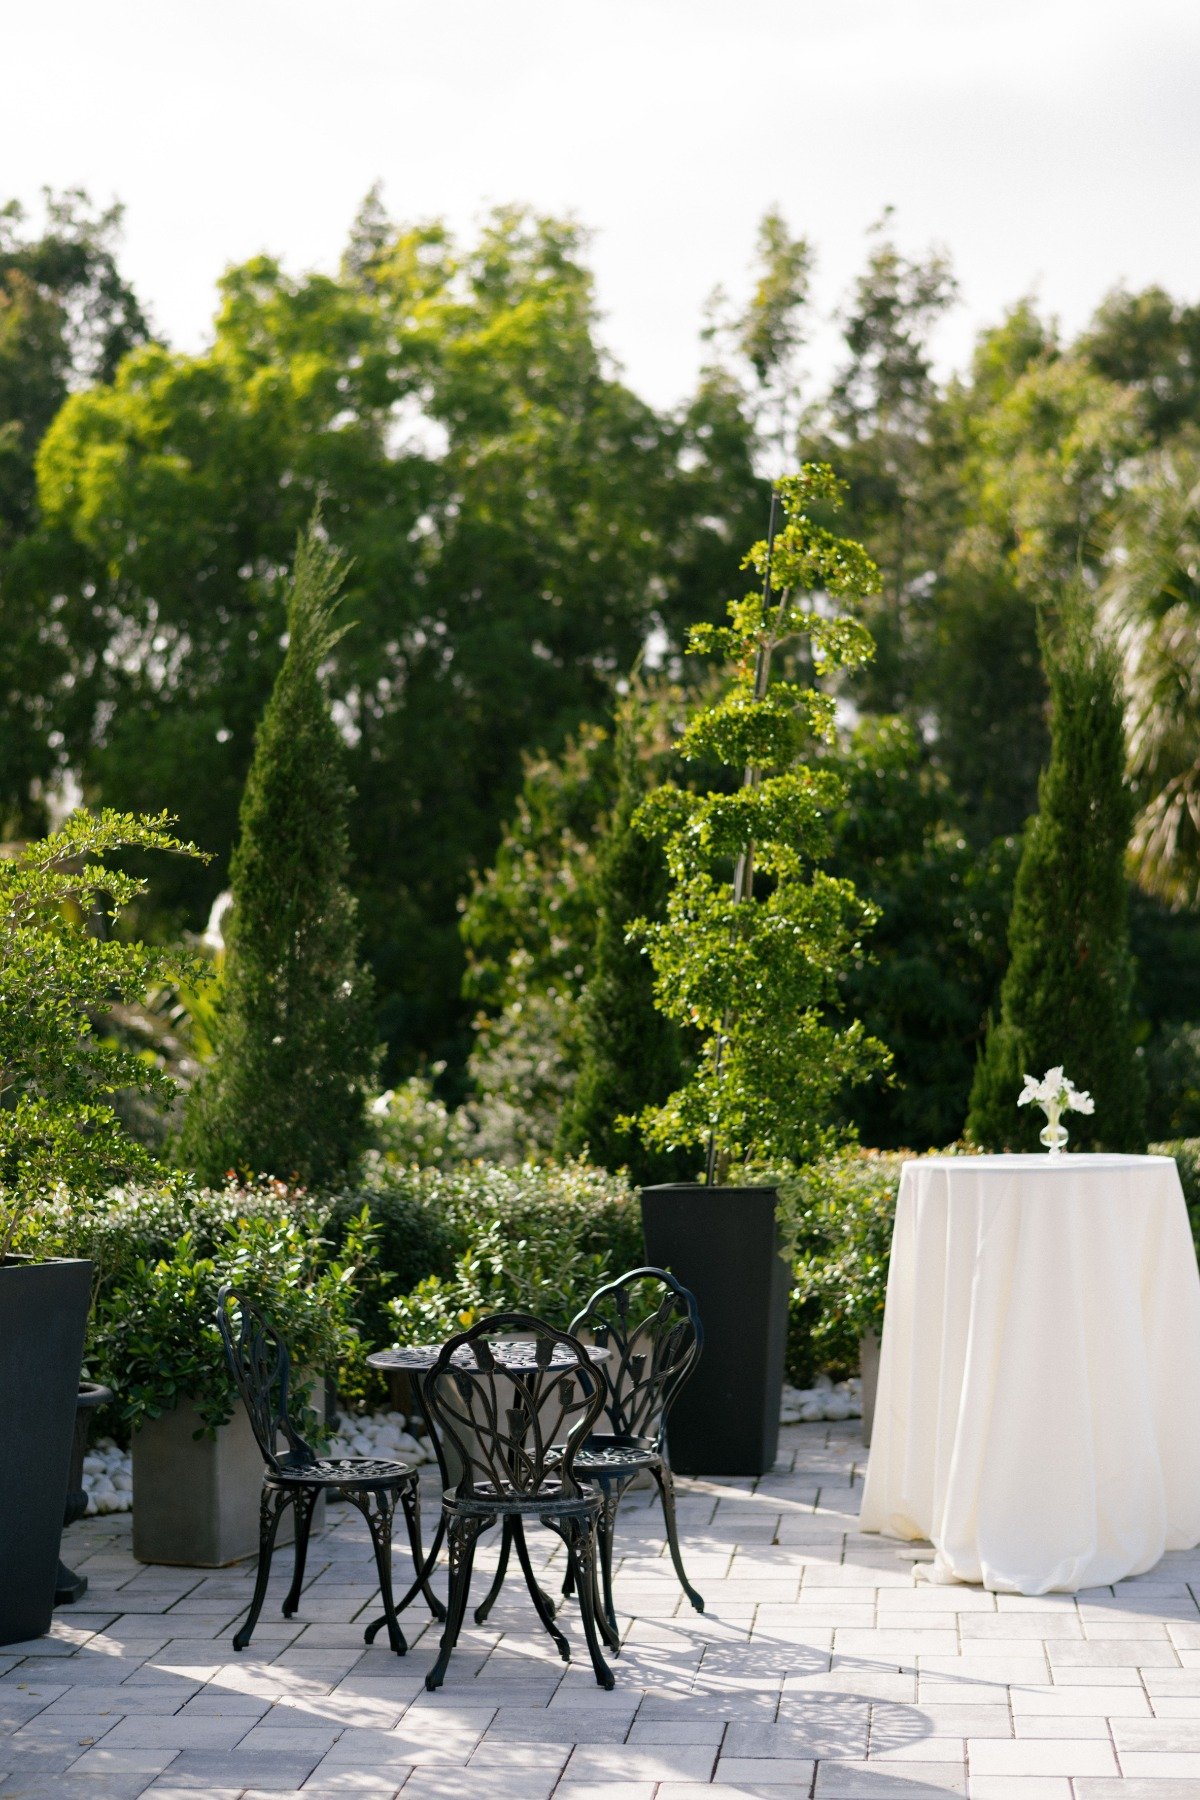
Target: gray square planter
point(195, 1500)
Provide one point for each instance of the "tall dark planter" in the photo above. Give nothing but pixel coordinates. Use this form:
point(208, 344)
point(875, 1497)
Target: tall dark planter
point(43, 1316)
point(723, 1244)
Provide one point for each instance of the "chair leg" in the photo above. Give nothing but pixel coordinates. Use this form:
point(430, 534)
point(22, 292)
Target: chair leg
point(410, 1500)
point(377, 1506)
point(666, 1493)
point(462, 1535)
point(489, 1599)
point(541, 1603)
point(605, 1532)
point(420, 1585)
point(581, 1548)
point(304, 1504)
point(270, 1511)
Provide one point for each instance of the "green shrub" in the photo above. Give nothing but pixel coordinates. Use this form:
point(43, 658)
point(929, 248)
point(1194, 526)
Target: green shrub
point(162, 1253)
point(538, 1237)
point(841, 1212)
point(159, 1340)
point(1186, 1152)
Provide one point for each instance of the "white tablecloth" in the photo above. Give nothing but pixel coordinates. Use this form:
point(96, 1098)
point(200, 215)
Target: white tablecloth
point(1038, 1415)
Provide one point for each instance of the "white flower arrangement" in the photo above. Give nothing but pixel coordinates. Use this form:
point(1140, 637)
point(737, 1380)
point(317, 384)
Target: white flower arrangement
point(1054, 1092)
point(1055, 1095)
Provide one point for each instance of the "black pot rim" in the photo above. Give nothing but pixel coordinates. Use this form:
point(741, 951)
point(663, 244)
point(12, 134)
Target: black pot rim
point(716, 1187)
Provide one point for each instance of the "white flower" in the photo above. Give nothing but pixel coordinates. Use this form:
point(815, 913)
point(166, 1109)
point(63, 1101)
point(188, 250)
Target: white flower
point(1055, 1091)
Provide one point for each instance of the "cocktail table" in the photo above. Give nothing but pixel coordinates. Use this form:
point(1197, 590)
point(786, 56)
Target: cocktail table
point(1037, 1413)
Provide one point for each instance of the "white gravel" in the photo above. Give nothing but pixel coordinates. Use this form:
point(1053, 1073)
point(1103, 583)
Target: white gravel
point(108, 1478)
point(824, 1400)
point(108, 1470)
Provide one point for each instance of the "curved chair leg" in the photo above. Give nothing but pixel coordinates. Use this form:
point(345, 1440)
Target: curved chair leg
point(305, 1504)
point(410, 1500)
point(568, 1586)
point(666, 1493)
point(420, 1585)
point(541, 1603)
point(581, 1548)
point(605, 1532)
point(377, 1507)
point(270, 1511)
point(462, 1536)
point(489, 1599)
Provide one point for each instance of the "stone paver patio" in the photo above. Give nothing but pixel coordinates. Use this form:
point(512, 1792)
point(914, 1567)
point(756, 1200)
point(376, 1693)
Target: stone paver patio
point(823, 1666)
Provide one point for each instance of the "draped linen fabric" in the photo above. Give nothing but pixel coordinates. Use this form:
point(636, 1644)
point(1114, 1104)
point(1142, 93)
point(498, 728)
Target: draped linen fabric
point(1038, 1414)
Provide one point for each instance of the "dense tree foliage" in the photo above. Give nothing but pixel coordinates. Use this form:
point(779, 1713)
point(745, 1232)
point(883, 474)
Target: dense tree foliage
point(521, 525)
point(630, 1054)
point(1067, 991)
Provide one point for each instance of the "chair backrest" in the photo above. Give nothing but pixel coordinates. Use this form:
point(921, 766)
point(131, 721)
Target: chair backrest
point(651, 1324)
point(514, 1412)
point(258, 1361)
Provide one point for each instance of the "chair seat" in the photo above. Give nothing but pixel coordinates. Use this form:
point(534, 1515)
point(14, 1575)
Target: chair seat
point(341, 1471)
point(613, 1453)
point(549, 1498)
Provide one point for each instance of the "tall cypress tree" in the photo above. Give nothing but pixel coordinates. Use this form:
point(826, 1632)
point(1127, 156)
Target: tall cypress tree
point(632, 1055)
point(1065, 998)
point(294, 1038)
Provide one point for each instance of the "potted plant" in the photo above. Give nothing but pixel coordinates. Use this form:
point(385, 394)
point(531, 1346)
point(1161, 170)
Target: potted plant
point(754, 934)
point(197, 1468)
point(60, 972)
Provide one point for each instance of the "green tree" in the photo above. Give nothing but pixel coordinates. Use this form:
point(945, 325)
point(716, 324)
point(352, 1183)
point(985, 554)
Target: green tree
point(519, 523)
point(61, 969)
point(630, 1055)
point(66, 318)
point(755, 931)
point(760, 343)
point(878, 424)
point(1151, 602)
point(928, 975)
point(294, 1040)
point(529, 928)
point(1066, 994)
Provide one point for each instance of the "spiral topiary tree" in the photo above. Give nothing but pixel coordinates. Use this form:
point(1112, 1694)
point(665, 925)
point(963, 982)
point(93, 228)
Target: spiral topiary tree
point(293, 1034)
point(755, 931)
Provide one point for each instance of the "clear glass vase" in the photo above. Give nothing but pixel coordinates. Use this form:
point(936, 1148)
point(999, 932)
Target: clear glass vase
point(1054, 1135)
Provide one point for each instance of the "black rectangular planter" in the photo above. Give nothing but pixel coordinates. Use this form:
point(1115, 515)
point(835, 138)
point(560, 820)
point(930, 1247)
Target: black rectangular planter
point(723, 1244)
point(43, 1316)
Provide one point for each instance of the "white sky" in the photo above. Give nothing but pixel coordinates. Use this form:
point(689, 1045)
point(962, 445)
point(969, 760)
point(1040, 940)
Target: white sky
point(1050, 145)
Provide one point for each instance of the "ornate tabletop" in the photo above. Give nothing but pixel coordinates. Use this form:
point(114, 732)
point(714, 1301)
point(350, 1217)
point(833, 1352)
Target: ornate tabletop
point(420, 1358)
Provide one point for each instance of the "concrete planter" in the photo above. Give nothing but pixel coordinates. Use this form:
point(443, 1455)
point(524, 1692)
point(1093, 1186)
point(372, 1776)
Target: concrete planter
point(195, 1500)
point(868, 1353)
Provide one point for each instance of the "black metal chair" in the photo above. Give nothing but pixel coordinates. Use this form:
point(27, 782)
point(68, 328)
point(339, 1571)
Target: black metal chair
point(652, 1327)
point(513, 1427)
point(260, 1366)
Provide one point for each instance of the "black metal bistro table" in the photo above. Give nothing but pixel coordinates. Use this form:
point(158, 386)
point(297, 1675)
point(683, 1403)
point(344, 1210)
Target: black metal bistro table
point(417, 1360)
